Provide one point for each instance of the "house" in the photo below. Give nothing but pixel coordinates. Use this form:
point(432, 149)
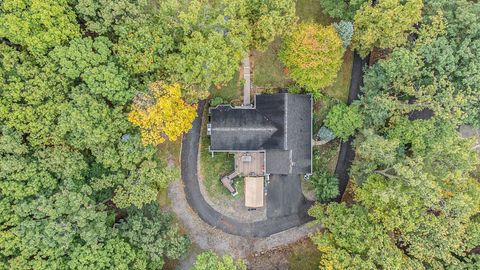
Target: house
point(272, 137)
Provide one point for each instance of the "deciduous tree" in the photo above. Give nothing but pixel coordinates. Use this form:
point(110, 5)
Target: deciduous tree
point(344, 9)
point(313, 55)
point(269, 19)
point(162, 114)
point(385, 25)
point(37, 25)
point(344, 120)
point(153, 232)
point(209, 260)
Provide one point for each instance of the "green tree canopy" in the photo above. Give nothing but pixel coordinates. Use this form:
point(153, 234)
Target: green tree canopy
point(385, 25)
point(269, 19)
point(37, 25)
point(209, 260)
point(413, 173)
point(344, 9)
point(313, 55)
point(344, 120)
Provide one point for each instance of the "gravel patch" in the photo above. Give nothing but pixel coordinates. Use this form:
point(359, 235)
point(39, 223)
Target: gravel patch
point(207, 237)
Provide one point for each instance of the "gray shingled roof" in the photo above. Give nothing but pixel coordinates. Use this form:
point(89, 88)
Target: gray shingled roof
point(280, 122)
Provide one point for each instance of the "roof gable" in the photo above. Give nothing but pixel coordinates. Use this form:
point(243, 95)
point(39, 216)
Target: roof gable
point(277, 122)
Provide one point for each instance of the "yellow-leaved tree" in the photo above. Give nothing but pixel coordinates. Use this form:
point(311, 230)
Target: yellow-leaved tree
point(162, 114)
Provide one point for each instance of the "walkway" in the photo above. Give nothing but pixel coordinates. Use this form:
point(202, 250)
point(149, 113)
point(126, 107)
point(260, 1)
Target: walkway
point(247, 83)
point(347, 152)
point(276, 221)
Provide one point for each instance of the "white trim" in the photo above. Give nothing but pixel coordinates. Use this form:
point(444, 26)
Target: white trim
point(285, 142)
point(311, 133)
point(243, 129)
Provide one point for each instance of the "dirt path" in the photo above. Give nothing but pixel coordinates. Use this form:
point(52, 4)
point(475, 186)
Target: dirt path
point(207, 237)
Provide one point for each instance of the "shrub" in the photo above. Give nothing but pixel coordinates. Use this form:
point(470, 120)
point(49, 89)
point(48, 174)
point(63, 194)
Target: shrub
point(325, 184)
point(343, 120)
point(345, 31)
point(216, 101)
point(209, 260)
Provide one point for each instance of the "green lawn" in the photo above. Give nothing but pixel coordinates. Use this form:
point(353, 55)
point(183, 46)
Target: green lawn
point(213, 168)
point(325, 156)
point(304, 255)
point(339, 89)
point(169, 152)
point(268, 70)
point(310, 10)
point(231, 91)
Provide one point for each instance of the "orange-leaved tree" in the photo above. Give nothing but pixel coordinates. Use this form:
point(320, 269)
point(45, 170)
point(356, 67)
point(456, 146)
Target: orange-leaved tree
point(162, 113)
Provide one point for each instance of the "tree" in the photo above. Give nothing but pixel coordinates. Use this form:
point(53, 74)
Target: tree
point(115, 253)
point(344, 10)
point(143, 43)
point(313, 55)
point(92, 62)
point(385, 25)
point(454, 51)
point(37, 25)
point(70, 158)
point(269, 19)
point(209, 260)
point(209, 48)
point(412, 170)
point(345, 31)
point(353, 241)
point(373, 152)
point(152, 231)
point(101, 16)
point(163, 114)
point(325, 184)
point(343, 120)
point(204, 60)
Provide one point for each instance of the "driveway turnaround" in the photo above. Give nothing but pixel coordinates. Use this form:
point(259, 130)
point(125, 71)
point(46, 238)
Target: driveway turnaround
point(286, 206)
point(285, 196)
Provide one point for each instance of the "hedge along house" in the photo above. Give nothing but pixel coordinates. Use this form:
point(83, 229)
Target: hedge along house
point(272, 137)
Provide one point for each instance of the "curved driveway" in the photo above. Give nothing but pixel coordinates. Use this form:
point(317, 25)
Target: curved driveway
point(285, 209)
point(275, 222)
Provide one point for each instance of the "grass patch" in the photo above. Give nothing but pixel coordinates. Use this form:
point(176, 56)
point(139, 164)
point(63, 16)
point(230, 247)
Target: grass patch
point(169, 153)
point(325, 156)
point(304, 255)
point(340, 88)
point(268, 70)
point(229, 92)
point(311, 10)
point(162, 198)
point(213, 168)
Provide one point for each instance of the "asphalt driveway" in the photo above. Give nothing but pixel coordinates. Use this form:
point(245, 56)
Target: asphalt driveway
point(285, 196)
point(283, 216)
